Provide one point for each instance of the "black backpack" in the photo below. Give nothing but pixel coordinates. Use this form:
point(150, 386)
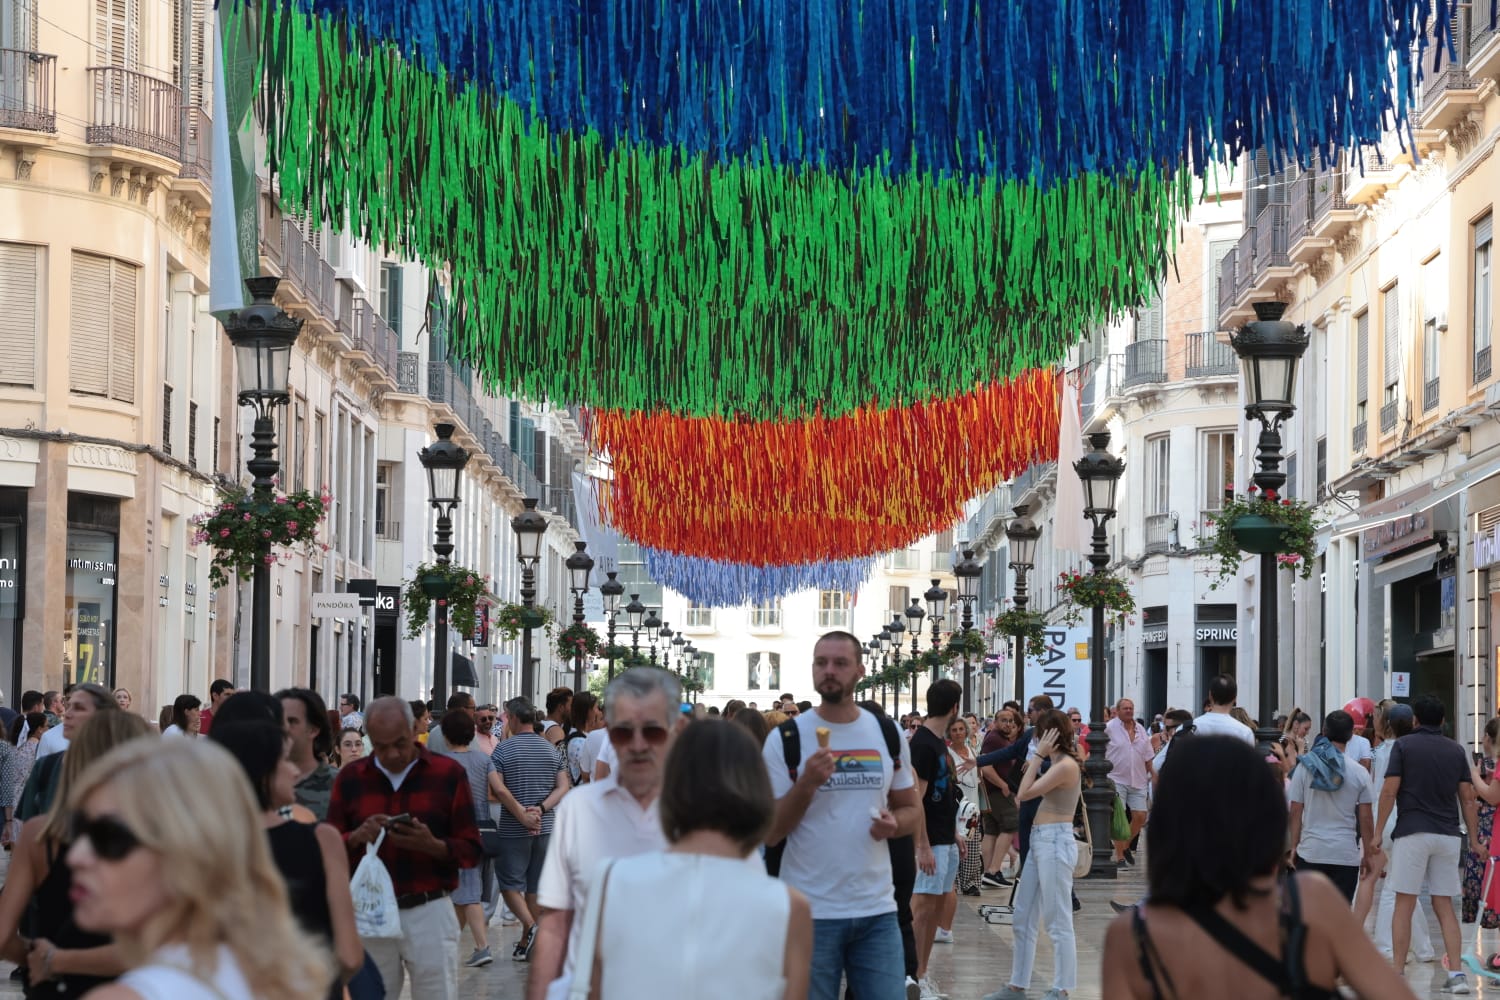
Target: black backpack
point(791, 743)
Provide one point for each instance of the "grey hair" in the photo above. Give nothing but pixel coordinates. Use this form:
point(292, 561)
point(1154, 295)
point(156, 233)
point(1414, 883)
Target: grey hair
point(643, 682)
point(387, 702)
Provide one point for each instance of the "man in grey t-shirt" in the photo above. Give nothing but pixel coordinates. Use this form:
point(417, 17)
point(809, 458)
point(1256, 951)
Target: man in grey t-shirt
point(1330, 808)
point(1426, 781)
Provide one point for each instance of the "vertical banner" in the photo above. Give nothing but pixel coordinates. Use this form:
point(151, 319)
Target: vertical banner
point(481, 636)
point(604, 544)
point(234, 250)
point(1062, 673)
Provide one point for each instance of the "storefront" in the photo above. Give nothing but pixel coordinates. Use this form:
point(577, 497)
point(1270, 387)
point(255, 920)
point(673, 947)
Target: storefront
point(92, 573)
point(1216, 637)
point(1154, 661)
point(12, 589)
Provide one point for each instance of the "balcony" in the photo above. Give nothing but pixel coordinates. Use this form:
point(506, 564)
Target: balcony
point(1484, 42)
point(765, 618)
point(1370, 171)
point(373, 337)
point(1244, 261)
point(389, 531)
point(1448, 94)
point(1271, 242)
point(1430, 395)
point(1481, 364)
point(197, 145)
point(559, 501)
point(1360, 437)
point(135, 110)
point(1145, 363)
point(1388, 414)
point(28, 89)
point(1158, 533)
point(1227, 288)
point(1207, 358)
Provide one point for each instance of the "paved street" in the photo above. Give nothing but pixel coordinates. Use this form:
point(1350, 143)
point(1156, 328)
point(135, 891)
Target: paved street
point(975, 964)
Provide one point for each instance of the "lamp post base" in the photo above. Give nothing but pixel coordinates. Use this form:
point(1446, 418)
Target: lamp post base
point(1099, 803)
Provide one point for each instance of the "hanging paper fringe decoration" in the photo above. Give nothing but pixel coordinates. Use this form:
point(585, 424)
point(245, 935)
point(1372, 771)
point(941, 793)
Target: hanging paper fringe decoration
point(631, 278)
point(798, 491)
point(1012, 88)
point(726, 585)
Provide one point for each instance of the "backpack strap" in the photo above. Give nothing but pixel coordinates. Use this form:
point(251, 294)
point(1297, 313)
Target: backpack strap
point(892, 740)
point(1234, 941)
point(791, 746)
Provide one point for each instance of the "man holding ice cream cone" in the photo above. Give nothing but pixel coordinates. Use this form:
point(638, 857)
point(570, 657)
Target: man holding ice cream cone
point(844, 786)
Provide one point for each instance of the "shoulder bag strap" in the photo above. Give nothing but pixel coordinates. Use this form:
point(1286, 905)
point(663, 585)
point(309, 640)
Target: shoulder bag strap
point(588, 943)
point(1148, 957)
point(1241, 947)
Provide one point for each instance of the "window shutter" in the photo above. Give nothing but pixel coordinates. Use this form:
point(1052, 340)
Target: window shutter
point(1392, 318)
point(539, 457)
point(1483, 231)
point(19, 267)
point(89, 325)
point(1150, 324)
point(1362, 351)
point(122, 333)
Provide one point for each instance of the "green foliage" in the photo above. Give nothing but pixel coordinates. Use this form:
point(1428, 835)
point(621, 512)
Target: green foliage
point(577, 639)
point(1095, 590)
point(1028, 626)
point(1299, 523)
point(245, 531)
point(466, 589)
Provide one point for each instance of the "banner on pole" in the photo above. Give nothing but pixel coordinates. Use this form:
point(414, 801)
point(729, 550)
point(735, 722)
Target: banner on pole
point(1062, 672)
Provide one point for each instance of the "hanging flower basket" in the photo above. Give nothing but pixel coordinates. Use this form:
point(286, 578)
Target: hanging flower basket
point(1263, 522)
point(1095, 590)
point(245, 532)
point(615, 652)
point(933, 658)
point(970, 643)
point(509, 619)
point(1027, 626)
point(691, 685)
point(577, 640)
point(463, 589)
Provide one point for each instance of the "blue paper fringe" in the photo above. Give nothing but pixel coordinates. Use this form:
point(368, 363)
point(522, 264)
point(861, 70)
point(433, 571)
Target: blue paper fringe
point(727, 585)
point(1016, 88)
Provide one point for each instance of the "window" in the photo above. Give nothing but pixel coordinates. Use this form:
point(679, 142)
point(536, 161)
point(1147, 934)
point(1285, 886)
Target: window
point(117, 33)
point(103, 330)
point(1158, 474)
point(196, 89)
point(833, 609)
point(766, 614)
point(319, 431)
point(1433, 300)
point(904, 560)
point(390, 295)
point(1483, 314)
point(216, 445)
point(699, 615)
point(1218, 468)
point(1217, 251)
point(1362, 366)
point(900, 598)
point(192, 434)
point(635, 578)
point(1391, 309)
point(297, 447)
point(20, 295)
point(386, 525)
point(166, 419)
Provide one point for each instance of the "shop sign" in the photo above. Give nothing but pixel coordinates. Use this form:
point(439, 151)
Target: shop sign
point(1403, 530)
point(1223, 633)
point(1487, 548)
point(1153, 636)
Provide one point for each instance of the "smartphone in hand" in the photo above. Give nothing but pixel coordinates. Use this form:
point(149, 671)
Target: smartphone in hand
point(402, 820)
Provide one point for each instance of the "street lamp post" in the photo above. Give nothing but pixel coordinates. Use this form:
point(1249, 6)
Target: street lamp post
point(635, 612)
point(652, 625)
point(1269, 349)
point(884, 637)
point(968, 571)
point(914, 616)
point(530, 527)
point(444, 461)
point(665, 635)
point(611, 590)
point(1100, 472)
point(1022, 534)
point(579, 565)
point(937, 609)
point(262, 336)
point(872, 650)
point(680, 642)
point(897, 629)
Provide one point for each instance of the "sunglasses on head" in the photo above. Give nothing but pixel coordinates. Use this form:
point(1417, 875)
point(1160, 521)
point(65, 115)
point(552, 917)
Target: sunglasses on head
point(653, 734)
point(110, 839)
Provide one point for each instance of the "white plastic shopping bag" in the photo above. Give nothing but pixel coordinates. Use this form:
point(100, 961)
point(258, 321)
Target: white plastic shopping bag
point(375, 911)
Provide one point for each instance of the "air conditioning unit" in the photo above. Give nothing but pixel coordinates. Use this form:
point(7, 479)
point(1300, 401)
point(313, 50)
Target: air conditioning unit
point(1492, 398)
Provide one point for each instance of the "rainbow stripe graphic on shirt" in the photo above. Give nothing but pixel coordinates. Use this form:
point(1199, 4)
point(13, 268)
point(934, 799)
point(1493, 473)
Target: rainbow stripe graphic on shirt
point(856, 769)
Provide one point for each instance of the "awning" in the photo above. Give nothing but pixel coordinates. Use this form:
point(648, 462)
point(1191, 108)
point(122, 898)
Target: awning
point(463, 672)
point(1464, 480)
point(1406, 565)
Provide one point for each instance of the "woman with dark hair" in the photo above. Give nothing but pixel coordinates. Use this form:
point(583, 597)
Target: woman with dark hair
point(1045, 893)
point(311, 858)
point(36, 723)
point(186, 716)
point(1218, 909)
point(484, 781)
point(755, 723)
point(716, 808)
point(421, 720)
point(587, 716)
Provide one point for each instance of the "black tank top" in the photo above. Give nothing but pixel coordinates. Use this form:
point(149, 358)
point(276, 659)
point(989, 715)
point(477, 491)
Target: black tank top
point(294, 848)
point(50, 916)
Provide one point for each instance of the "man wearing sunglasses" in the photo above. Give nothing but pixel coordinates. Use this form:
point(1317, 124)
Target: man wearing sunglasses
point(613, 816)
point(839, 798)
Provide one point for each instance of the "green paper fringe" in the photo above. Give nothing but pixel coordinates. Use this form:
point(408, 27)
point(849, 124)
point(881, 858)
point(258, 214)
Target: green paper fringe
point(632, 278)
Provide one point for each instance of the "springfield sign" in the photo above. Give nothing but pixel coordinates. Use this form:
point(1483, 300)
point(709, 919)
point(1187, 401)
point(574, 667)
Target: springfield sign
point(1487, 548)
point(1062, 672)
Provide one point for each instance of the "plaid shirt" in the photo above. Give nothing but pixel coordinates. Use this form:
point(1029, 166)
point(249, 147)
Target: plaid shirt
point(435, 791)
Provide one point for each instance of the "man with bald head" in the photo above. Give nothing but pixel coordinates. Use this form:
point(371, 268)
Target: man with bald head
point(421, 801)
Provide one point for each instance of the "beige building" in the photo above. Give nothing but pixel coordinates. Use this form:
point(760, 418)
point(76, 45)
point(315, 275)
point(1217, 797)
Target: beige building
point(117, 393)
point(1387, 257)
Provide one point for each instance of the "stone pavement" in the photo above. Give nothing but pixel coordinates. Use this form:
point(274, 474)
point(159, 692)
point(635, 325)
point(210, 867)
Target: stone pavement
point(977, 963)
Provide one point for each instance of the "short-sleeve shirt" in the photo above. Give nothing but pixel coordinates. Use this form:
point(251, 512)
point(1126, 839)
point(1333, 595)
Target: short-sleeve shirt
point(1221, 724)
point(479, 768)
point(830, 856)
point(1330, 827)
point(528, 765)
point(1432, 769)
point(1358, 749)
point(929, 761)
point(316, 789)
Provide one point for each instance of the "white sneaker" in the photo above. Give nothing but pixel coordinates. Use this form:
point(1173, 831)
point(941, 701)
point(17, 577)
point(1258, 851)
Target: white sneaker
point(1457, 983)
point(929, 991)
point(942, 937)
point(507, 918)
point(913, 990)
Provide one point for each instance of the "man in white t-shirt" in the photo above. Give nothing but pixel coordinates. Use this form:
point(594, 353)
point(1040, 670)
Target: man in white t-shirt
point(836, 808)
point(613, 817)
point(1222, 693)
point(1358, 749)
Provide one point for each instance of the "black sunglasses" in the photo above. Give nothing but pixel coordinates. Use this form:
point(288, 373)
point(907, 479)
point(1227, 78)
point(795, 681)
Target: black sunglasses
point(652, 734)
point(111, 839)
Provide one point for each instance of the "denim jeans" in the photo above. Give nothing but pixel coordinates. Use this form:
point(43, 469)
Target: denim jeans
point(865, 949)
point(1045, 897)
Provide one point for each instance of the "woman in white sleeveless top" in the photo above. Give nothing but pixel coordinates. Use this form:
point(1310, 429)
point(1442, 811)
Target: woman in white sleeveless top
point(191, 895)
point(704, 910)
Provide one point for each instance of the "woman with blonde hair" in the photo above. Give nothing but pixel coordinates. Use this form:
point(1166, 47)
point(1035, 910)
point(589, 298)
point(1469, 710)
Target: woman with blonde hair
point(37, 928)
point(190, 896)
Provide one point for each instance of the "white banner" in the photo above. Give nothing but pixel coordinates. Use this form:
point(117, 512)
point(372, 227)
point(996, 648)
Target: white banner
point(1063, 673)
point(604, 544)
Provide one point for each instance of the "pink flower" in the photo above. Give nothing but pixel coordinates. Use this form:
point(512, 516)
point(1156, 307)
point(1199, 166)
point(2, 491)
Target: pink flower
point(468, 581)
point(270, 560)
point(302, 506)
point(223, 532)
point(291, 527)
point(264, 533)
point(247, 516)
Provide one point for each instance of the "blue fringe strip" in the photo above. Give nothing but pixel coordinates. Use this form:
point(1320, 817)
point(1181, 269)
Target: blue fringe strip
point(728, 585)
point(1015, 88)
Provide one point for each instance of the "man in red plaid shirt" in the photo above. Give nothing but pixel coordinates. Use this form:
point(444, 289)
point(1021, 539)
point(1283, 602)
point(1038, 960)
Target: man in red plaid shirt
point(422, 802)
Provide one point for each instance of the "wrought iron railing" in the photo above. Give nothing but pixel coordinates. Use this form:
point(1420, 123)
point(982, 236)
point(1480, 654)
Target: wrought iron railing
point(197, 145)
point(1481, 364)
point(1244, 260)
point(1158, 533)
point(1299, 212)
point(1360, 437)
point(1484, 23)
point(1388, 414)
point(1453, 74)
point(1271, 238)
point(1430, 394)
point(133, 109)
point(1207, 357)
point(28, 90)
point(1145, 361)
